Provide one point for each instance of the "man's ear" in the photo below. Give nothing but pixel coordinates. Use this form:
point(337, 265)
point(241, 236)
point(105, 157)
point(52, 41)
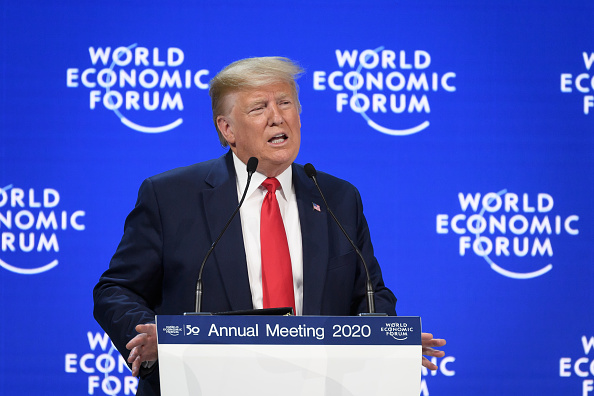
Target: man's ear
point(226, 129)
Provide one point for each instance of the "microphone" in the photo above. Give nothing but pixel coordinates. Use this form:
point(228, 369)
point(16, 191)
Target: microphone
point(312, 173)
point(252, 165)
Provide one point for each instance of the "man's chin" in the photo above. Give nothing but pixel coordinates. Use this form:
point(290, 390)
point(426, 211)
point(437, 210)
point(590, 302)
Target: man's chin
point(274, 168)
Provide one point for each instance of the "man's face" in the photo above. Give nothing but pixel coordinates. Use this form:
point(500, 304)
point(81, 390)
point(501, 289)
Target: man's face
point(263, 123)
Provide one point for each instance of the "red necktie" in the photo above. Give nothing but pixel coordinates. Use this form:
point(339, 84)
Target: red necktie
point(277, 275)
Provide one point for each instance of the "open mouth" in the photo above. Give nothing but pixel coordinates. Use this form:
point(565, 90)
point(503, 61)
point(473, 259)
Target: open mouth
point(276, 139)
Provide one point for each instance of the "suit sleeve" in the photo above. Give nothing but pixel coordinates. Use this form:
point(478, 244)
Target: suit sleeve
point(128, 292)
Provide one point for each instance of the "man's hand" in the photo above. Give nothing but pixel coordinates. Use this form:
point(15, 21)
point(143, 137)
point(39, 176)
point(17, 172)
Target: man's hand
point(428, 343)
point(143, 347)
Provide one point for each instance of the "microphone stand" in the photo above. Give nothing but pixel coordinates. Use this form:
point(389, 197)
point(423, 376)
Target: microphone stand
point(311, 173)
point(252, 165)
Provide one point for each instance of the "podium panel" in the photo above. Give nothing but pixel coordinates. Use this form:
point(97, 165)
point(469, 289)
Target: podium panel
point(289, 355)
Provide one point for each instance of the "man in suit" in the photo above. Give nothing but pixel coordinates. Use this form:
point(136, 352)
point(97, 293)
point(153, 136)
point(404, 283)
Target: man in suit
point(179, 213)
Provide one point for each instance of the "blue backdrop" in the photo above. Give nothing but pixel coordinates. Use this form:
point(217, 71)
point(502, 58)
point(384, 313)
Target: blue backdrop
point(468, 128)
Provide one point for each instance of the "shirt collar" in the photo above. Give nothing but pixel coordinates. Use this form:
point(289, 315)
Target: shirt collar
point(285, 179)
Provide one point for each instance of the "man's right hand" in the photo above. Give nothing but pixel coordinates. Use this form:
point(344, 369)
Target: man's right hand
point(143, 347)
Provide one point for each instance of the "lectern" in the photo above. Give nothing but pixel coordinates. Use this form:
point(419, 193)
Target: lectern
point(289, 355)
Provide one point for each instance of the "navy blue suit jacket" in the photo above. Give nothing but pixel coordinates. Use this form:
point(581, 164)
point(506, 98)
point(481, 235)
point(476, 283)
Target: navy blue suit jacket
point(177, 216)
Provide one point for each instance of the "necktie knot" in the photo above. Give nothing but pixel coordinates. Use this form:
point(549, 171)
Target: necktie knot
point(271, 184)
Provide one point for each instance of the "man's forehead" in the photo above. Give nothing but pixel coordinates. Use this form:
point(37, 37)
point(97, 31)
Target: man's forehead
point(278, 90)
point(250, 95)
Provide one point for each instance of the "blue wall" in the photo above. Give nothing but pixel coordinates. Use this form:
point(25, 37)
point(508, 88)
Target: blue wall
point(477, 125)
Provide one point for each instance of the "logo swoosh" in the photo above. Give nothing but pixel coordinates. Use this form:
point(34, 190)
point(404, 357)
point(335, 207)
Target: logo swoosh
point(28, 271)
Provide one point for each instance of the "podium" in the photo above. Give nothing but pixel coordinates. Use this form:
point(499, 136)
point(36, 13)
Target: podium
point(289, 355)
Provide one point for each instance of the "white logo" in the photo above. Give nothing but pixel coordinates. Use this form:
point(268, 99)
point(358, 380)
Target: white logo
point(105, 368)
point(383, 83)
point(582, 367)
point(138, 81)
point(583, 82)
point(444, 368)
point(30, 223)
point(192, 330)
point(173, 330)
point(398, 331)
point(528, 223)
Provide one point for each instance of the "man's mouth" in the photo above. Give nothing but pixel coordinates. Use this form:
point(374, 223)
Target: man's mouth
point(276, 139)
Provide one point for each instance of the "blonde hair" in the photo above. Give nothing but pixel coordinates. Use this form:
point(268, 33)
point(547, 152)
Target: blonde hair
point(248, 74)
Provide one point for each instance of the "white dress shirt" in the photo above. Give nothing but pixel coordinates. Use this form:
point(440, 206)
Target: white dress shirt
point(250, 226)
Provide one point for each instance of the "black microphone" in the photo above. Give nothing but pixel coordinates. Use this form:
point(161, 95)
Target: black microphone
point(311, 173)
point(252, 165)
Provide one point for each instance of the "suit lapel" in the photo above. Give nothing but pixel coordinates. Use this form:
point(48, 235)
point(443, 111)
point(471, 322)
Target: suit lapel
point(229, 254)
point(314, 235)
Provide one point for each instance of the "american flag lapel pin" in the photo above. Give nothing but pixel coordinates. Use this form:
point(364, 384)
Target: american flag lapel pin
point(316, 207)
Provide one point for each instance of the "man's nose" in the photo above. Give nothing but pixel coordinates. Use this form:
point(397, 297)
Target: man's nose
point(274, 115)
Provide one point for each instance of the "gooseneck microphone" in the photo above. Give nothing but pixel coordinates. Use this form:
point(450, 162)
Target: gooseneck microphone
point(312, 173)
point(252, 165)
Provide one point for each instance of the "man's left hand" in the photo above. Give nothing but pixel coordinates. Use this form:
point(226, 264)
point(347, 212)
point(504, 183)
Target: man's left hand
point(428, 343)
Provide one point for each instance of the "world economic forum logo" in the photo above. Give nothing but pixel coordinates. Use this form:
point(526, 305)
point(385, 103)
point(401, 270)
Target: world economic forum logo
point(31, 222)
point(173, 330)
point(398, 331)
point(136, 83)
point(501, 226)
point(581, 82)
point(579, 366)
point(390, 89)
point(105, 370)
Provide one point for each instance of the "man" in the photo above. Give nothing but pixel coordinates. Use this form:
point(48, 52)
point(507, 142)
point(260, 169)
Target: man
point(179, 213)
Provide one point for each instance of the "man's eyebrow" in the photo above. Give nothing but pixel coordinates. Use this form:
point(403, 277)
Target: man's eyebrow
point(261, 100)
point(257, 102)
point(284, 95)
